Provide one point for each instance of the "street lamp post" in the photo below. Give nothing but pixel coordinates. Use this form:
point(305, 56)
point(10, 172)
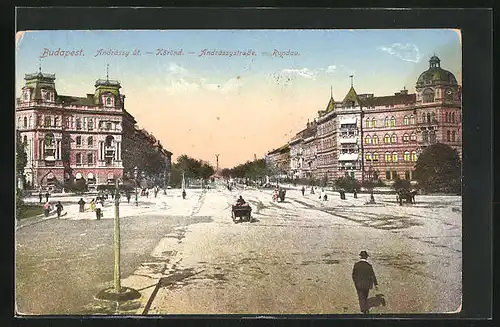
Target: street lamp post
point(135, 181)
point(117, 239)
point(117, 292)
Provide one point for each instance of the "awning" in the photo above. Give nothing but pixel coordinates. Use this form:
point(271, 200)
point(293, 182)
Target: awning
point(50, 176)
point(90, 176)
point(78, 175)
point(348, 157)
point(348, 121)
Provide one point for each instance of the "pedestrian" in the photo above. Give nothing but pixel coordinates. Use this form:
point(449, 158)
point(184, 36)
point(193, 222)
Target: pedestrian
point(112, 195)
point(128, 197)
point(147, 193)
point(46, 208)
point(40, 196)
point(364, 280)
point(312, 190)
point(325, 197)
point(372, 198)
point(92, 205)
point(47, 196)
point(183, 194)
point(59, 208)
point(303, 190)
point(98, 210)
point(81, 203)
point(355, 194)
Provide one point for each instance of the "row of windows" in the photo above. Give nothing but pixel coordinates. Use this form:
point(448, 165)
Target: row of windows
point(90, 159)
point(409, 175)
point(449, 117)
point(450, 136)
point(392, 157)
point(390, 139)
point(90, 141)
point(389, 121)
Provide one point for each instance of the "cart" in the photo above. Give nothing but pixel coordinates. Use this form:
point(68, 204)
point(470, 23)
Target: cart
point(243, 212)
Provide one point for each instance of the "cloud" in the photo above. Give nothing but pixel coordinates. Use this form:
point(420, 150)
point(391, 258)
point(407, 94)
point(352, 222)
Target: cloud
point(407, 52)
point(176, 69)
point(304, 72)
point(331, 69)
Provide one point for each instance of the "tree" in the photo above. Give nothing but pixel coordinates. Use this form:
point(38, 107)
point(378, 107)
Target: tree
point(347, 183)
point(21, 156)
point(438, 169)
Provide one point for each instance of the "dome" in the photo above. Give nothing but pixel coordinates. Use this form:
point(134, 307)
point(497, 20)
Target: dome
point(436, 75)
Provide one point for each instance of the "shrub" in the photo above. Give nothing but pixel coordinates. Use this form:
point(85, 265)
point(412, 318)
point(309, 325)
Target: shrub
point(347, 183)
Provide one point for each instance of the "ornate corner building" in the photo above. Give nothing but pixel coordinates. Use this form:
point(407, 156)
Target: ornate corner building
point(367, 136)
point(71, 138)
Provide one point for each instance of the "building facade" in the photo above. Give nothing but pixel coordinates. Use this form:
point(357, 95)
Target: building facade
point(370, 137)
point(279, 160)
point(71, 138)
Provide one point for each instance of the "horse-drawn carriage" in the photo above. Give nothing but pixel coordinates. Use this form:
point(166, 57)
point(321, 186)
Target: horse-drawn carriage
point(241, 211)
point(406, 195)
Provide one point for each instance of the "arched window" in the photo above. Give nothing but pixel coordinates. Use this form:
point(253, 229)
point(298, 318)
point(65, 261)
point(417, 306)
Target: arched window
point(394, 156)
point(368, 156)
point(375, 139)
point(428, 96)
point(25, 122)
point(393, 121)
point(452, 117)
point(407, 156)
point(90, 124)
point(25, 140)
point(374, 123)
point(413, 156)
point(109, 140)
point(108, 101)
point(49, 139)
point(413, 137)
point(387, 139)
point(368, 140)
point(394, 138)
point(47, 121)
point(78, 123)
point(423, 118)
point(406, 138)
point(78, 141)
point(447, 117)
point(375, 156)
point(406, 120)
point(453, 136)
point(367, 122)
point(387, 122)
point(425, 136)
point(433, 117)
point(428, 117)
point(412, 120)
point(90, 141)
point(448, 136)
point(388, 157)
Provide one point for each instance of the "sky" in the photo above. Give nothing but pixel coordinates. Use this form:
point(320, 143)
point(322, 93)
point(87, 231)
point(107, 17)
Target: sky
point(203, 103)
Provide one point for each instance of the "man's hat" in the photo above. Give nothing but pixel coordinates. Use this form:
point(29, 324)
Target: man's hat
point(363, 254)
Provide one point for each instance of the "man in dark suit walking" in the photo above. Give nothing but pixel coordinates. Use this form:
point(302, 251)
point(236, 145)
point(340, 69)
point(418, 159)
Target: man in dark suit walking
point(364, 279)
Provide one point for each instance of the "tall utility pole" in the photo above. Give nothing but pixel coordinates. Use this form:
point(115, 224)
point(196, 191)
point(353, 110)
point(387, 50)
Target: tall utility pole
point(217, 160)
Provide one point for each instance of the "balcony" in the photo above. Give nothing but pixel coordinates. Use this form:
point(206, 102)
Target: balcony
point(433, 122)
point(347, 140)
point(348, 157)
